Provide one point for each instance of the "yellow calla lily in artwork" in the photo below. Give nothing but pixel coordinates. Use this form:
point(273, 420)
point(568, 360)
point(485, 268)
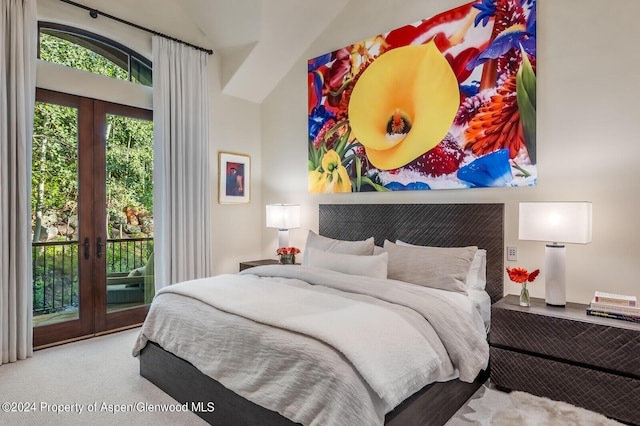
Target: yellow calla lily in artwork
point(333, 178)
point(403, 104)
point(317, 182)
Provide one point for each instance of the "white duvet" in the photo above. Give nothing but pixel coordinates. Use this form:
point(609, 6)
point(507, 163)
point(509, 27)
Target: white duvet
point(317, 346)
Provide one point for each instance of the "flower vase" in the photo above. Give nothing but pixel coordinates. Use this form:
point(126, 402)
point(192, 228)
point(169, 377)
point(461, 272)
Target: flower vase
point(525, 300)
point(287, 259)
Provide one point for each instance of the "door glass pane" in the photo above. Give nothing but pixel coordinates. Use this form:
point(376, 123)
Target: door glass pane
point(129, 190)
point(54, 216)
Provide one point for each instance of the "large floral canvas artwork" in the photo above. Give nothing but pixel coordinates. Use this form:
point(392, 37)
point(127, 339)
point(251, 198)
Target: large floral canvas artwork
point(447, 102)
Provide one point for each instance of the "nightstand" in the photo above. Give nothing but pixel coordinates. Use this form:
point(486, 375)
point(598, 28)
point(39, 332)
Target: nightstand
point(251, 263)
point(565, 354)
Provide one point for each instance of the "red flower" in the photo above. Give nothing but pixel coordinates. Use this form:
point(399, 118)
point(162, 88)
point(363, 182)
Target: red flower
point(287, 250)
point(521, 275)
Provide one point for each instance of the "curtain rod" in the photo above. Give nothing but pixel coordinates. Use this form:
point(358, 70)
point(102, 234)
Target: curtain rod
point(94, 14)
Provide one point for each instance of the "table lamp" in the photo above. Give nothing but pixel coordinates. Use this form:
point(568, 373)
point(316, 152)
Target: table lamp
point(283, 217)
point(556, 223)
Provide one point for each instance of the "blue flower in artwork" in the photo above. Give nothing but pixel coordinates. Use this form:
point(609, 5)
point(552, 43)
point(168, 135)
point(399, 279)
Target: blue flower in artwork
point(488, 171)
point(487, 9)
point(412, 186)
point(531, 3)
point(317, 118)
point(470, 90)
point(514, 37)
point(532, 20)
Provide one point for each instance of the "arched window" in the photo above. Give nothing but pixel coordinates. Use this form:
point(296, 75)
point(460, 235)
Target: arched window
point(87, 51)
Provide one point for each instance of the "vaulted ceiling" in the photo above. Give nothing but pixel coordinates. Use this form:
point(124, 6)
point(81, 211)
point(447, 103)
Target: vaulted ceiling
point(259, 40)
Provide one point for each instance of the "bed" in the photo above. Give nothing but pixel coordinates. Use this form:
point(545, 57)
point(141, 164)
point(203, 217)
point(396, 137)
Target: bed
point(436, 225)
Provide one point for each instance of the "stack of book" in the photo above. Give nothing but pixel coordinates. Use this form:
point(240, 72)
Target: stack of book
point(616, 306)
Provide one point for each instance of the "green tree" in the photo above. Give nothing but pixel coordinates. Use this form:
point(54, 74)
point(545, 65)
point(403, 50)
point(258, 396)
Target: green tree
point(55, 160)
point(129, 165)
point(63, 52)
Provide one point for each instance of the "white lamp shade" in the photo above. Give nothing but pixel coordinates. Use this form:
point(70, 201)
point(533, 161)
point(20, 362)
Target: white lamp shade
point(283, 216)
point(560, 222)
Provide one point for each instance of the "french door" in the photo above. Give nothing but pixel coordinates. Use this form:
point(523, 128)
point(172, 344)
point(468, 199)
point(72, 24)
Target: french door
point(92, 256)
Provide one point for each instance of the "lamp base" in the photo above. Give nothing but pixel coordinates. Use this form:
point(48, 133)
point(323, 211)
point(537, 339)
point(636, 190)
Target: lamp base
point(554, 275)
point(283, 238)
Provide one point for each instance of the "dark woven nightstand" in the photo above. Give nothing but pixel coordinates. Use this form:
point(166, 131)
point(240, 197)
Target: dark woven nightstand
point(565, 354)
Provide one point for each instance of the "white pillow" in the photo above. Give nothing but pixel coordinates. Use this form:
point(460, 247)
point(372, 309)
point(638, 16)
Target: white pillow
point(364, 247)
point(445, 268)
point(477, 275)
point(352, 264)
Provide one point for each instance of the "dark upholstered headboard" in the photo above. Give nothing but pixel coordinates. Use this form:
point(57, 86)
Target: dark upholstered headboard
point(438, 225)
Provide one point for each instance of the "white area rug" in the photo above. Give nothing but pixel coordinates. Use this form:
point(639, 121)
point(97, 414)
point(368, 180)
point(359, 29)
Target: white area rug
point(491, 407)
point(533, 410)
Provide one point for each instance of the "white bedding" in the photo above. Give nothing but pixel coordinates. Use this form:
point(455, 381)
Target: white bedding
point(482, 302)
point(302, 376)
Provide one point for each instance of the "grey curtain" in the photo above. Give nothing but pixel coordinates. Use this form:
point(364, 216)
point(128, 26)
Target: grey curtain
point(18, 43)
point(182, 219)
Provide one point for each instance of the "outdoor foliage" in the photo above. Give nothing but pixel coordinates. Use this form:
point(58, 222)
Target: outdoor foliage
point(129, 166)
point(59, 51)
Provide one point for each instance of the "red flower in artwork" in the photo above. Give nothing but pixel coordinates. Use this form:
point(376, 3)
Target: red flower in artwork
point(442, 159)
point(521, 275)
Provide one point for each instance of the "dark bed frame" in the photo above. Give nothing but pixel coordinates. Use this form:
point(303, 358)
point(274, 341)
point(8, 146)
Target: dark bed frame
point(441, 225)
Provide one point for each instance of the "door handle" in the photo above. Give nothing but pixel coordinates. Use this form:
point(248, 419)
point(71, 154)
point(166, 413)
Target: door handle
point(86, 248)
point(99, 247)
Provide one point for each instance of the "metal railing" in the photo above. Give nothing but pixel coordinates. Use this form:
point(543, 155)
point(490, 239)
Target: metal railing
point(124, 255)
point(55, 269)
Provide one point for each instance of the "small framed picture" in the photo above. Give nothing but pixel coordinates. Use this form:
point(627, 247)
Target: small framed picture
point(235, 178)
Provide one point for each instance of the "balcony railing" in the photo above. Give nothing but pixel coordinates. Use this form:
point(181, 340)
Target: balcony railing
point(55, 270)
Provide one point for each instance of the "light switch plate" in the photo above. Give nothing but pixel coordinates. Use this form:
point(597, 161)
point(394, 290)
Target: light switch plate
point(512, 253)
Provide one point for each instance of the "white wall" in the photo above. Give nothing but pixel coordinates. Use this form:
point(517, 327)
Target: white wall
point(235, 127)
point(587, 115)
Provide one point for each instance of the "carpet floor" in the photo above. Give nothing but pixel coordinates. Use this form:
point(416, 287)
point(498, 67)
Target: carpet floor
point(94, 381)
point(97, 382)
